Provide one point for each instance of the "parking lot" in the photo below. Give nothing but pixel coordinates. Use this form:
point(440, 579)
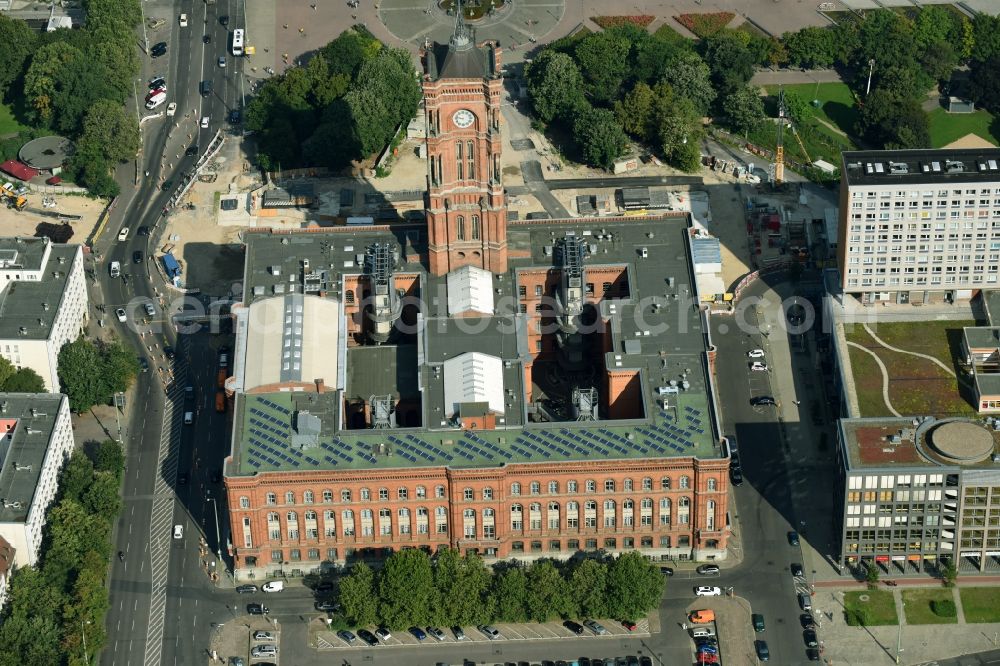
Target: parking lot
point(328, 640)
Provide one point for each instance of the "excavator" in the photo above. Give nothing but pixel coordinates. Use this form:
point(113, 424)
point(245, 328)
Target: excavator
point(12, 198)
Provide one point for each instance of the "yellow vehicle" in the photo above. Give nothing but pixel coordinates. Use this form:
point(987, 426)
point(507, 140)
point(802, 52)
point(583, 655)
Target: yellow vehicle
point(12, 198)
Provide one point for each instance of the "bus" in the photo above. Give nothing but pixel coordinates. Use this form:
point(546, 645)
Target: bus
point(238, 42)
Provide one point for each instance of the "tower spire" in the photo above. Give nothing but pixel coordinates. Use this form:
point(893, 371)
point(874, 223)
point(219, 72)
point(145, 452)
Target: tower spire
point(461, 39)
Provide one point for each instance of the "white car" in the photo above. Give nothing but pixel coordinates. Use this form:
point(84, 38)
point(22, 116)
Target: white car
point(150, 310)
point(263, 636)
point(273, 586)
point(204, 122)
point(120, 313)
point(178, 531)
point(758, 366)
point(123, 233)
point(171, 108)
point(707, 591)
point(183, 19)
point(222, 61)
point(755, 353)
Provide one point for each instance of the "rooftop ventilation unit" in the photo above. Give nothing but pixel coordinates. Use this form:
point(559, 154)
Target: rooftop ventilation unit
point(953, 166)
point(899, 168)
point(936, 167)
point(879, 167)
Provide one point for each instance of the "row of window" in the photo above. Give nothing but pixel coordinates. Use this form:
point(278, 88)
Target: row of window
point(553, 518)
point(925, 194)
point(881, 282)
point(487, 494)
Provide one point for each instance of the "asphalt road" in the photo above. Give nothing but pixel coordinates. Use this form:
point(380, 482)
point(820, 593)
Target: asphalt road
point(162, 604)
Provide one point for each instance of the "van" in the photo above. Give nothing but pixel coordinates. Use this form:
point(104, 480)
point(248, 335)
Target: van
point(220, 401)
point(156, 100)
point(205, 88)
point(188, 418)
point(805, 602)
point(702, 632)
point(703, 616)
point(115, 269)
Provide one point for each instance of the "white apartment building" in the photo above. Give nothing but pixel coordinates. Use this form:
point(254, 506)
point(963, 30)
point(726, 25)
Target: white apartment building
point(36, 438)
point(43, 303)
point(919, 226)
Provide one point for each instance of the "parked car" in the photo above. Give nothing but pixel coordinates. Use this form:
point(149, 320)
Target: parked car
point(489, 631)
point(596, 627)
point(757, 620)
point(258, 609)
point(383, 633)
point(245, 589)
point(755, 353)
point(157, 82)
point(807, 621)
point(667, 571)
point(575, 627)
point(736, 476)
point(159, 49)
point(758, 366)
point(707, 591)
point(191, 150)
point(762, 652)
point(796, 570)
point(436, 633)
point(168, 351)
point(326, 587)
point(762, 401)
point(273, 586)
point(263, 636)
point(327, 605)
point(368, 637)
point(224, 20)
point(346, 636)
point(812, 654)
point(459, 634)
point(708, 569)
point(268, 650)
point(178, 531)
point(793, 538)
point(809, 638)
point(630, 625)
point(417, 633)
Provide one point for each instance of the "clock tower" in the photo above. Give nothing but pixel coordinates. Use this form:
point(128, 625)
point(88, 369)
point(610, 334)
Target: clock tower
point(466, 205)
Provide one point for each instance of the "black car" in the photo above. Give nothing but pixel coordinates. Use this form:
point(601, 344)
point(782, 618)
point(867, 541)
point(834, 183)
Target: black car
point(807, 621)
point(324, 588)
point(812, 654)
point(245, 589)
point(763, 653)
point(809, 638)
point(234, 117)
point(762, 400)
point(575, 627)
point(182, 479)
point(645, 661)
point(169, 352)
point(137, 257)
point(793, 538)
point(142, 231)
point(158, 82)
point(224, 20)
point(144, 364)
point(736, 476)
point(207, 39)
point(158, 49)
point(191, 150)
point(417, 633)
point(258, 609)
point(167, 184)
point(667, 571)
point(368, 637)
point(796, 569)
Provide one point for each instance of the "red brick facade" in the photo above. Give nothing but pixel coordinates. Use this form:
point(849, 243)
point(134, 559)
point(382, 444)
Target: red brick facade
point(672, 507)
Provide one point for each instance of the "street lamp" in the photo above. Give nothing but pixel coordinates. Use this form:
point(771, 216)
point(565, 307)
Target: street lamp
point(83, 633)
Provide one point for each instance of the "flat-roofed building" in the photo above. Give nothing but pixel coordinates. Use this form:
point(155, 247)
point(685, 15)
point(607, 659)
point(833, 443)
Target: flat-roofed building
point(919, 226)
point(43, 303)
point(36, 438)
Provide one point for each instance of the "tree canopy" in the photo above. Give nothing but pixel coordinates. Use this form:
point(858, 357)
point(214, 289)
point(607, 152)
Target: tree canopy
point(91, 372)
point(19, 380)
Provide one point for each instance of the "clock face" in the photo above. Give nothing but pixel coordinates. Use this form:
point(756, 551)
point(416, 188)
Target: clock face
point(463, 118)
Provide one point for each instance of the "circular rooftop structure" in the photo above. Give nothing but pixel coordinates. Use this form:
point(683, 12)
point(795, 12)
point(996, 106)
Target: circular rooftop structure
point(961, 442)
point(47, 152)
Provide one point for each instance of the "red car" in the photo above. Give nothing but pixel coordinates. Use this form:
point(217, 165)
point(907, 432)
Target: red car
point(629, 624)
point(705, 658)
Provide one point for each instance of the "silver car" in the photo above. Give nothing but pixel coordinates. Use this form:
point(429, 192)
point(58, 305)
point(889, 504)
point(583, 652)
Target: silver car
point(266, 650)
point(596, 627)
point(263, 636)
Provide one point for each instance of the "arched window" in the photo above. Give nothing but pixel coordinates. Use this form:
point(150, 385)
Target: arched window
point(553, 517)
point(516, 517)
point(665, 511)
point(327, 495)
point(647, 483)
point(628, 485)
point(470, 150)
point(609, 513)
point(535, 516)
point(487, 493)
point(349, 297)
point(289, 497)
point(366, 495)
point(628, 504)
point(384, 522)
point(460, 225)
point(244, 502)
point(665, 483)
point(310, 515)
point(273, 526)
point(712, 484)
point(710, 515)
point(476, 231)
point(683, 511)
point(685, 483)
point(292, 525)
point(515, 489)
point(307, 497)
point(383, 494)
point(459, 163)
point(347, 520)
point(421, 492)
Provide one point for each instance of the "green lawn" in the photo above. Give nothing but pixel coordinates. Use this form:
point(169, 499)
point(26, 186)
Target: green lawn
point(918, 606)
point(867, 384)
point(980, 604)
point(836, 102)
point(947, 127)
point(8, 124)
point(818, 139)
point(940, 339)
point(668, 34)
point(880, 603)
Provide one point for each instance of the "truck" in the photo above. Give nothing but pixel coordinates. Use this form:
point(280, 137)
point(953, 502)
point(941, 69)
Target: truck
point(12, 198)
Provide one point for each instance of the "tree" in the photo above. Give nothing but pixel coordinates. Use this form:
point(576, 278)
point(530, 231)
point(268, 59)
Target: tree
point(984, 84)
point(691, 78)
point(119, 366)
point(72, 532)
point(24, 380)
point(811, 47)
point(634, 586)
point(102, 497)
point(885, 37)
point(510, 594)
point(17, 41)
point(599, 136)
point(406, 590)
point(934, 24)
point(555, 85)
point(76, 477)
point(797, 109)
point(603, 61)
point(40, 81)
point(635, 111)
point(939, 60)
point(587, 588)
point(985, 36)
point(358, 597)
point(730, 61)
point(7, 369)
point(654, 58)
point(890, 122)
point(461, 586)
point(116, 132)
point(872, 575)
point(110, 457)
point(79, 374)
point(547, 594)
point(348, 51)
point(744, 109)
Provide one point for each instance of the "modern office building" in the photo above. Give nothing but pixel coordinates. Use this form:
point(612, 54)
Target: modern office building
point(43, 303)
point(919, 226)
point(917, 492)
point(36, 438)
